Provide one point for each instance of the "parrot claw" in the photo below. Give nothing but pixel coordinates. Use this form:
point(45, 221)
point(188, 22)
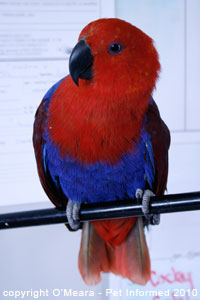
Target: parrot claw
point(145, 196)
point(139, 194)
point(155, 219)
point(72, 211)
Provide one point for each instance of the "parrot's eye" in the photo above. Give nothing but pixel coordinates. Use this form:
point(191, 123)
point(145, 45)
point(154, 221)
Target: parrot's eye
point(115, 48)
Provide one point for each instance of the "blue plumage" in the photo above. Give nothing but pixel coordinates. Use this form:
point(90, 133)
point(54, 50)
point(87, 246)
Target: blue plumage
point(101, 181)
point(99, 137)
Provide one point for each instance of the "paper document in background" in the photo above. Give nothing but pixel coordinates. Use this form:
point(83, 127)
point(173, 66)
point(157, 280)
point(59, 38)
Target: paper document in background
point(36, 38)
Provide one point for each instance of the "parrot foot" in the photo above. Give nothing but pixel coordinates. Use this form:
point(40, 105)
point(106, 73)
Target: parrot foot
point(145, 196)
point(72, 211)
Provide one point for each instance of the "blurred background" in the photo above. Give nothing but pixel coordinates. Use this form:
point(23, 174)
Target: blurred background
point(36, 38)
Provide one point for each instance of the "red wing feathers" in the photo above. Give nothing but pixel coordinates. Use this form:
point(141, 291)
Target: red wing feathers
point(53, 192)
point(160, 139)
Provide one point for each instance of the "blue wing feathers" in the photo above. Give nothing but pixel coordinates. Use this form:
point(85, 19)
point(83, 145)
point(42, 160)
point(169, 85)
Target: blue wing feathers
point(149, 164)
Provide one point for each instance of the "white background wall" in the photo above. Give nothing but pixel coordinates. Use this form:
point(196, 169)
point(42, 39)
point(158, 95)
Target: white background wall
point(35, 40)
point(174, 245)
point(46, 257)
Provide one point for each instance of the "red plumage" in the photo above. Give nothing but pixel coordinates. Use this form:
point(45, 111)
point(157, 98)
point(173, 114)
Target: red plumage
point(100, 121)
point(110, 108)
point(114, 231)
point(122, 247)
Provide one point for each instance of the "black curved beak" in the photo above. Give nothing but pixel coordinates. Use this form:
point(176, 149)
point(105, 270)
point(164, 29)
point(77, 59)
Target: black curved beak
point(80, 62)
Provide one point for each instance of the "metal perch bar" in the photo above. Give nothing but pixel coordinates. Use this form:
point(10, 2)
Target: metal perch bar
point(104, 210)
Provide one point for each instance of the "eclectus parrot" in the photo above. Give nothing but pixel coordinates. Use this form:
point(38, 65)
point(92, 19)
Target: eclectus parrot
point(98, 136)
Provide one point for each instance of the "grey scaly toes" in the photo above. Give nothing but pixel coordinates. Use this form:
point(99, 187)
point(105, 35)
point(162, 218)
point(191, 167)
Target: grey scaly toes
point(72, 211)
point(145, 197)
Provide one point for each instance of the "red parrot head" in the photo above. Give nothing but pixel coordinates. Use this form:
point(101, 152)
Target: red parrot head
point(113, 53)
point(100, 108)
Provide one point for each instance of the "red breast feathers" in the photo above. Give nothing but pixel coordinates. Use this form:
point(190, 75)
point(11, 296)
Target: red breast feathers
point(101, 119)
